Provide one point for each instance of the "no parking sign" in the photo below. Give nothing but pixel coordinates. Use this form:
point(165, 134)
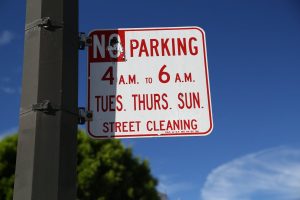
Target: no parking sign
point(150, 82)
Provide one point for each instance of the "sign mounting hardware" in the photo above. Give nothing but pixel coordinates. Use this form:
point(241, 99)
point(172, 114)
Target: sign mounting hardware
point(84, 115)
point(84, 41)
point(46, 23)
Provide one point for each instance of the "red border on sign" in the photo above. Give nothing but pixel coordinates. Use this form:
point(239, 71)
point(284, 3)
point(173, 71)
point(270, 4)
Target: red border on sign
point(156, 134)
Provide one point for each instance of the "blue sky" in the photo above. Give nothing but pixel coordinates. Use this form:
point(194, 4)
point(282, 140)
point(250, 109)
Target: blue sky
point(253, 57)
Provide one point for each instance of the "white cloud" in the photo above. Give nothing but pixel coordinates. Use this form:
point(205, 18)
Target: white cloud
point(170, 185)
point(270, 174)
point(8, 132)
point(6, 37)
point(8, 90)
point(5, 79)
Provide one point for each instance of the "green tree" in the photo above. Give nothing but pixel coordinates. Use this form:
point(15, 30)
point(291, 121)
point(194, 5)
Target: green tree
point(8, 147)
point(106, 170)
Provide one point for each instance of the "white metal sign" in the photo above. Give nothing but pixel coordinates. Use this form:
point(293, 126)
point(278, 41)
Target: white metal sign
point(150, 82)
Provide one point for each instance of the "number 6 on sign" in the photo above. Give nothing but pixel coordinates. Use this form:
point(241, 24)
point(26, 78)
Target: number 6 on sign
point(162, 74)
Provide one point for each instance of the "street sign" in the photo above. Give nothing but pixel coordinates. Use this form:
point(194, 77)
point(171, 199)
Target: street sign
point(148, 82)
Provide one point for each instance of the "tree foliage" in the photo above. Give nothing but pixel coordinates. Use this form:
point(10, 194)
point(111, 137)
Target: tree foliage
point(8, 147)
point(106, 170)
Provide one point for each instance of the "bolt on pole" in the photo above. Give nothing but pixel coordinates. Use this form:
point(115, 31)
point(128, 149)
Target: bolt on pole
point(46, 153)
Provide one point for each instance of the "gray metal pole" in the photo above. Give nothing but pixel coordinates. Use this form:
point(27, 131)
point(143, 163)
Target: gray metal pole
point(46, 154)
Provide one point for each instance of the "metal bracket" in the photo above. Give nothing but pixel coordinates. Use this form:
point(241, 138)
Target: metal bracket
point(84, 115)
point(48, 108)
point(84, 41)
point(46, 23)
point(45, 106)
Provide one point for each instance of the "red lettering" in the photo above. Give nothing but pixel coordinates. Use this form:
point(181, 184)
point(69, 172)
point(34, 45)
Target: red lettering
point(109, 103)
point(161, 125)
point(97, 102)
point(105, 127)
point(119, 104)
point(189, 100)
point(164, 99)
point(181, 46)
point(134, 44)
point(117, 127)
point(173, 47)
point(143, 48)
point(164, 47)
point(180, 96)
point(156, 102)
point(193, 49)
point(150, 101)
point(172, 125)
point(123, 127)
point(153, 46)
point(148, 128)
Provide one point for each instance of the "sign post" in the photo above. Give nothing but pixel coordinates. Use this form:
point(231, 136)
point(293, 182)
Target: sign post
point(46, 154)
point(148, 83)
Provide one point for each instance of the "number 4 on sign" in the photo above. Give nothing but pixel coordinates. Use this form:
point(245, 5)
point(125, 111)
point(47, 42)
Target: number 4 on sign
point(108, 76)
